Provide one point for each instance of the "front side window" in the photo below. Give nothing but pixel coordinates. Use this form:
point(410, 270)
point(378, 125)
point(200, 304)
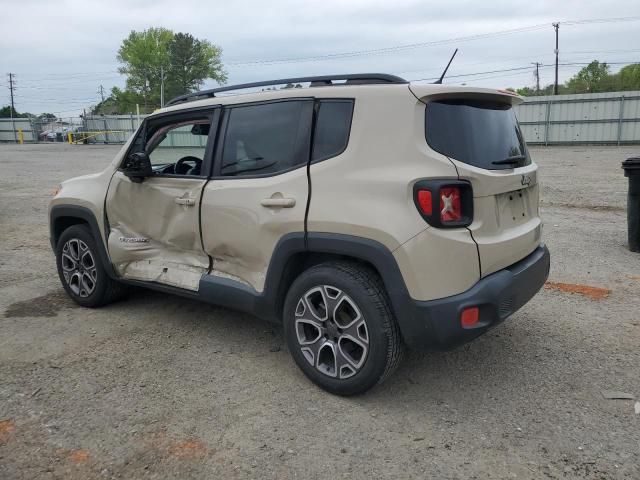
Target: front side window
point(178, 148)
point(266, 138)
point(478, 132)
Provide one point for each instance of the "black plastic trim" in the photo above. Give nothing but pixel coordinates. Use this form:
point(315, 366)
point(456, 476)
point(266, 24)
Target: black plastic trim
point(323, 80)
point(431, 325)
point(238, 295)
point(82, 213)
point(498, 296)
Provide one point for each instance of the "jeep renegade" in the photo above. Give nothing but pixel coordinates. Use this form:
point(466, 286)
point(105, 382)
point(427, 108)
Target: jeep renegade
point(364, 213)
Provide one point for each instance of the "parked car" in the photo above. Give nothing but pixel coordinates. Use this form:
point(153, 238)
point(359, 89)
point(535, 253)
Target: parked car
point(365, 216)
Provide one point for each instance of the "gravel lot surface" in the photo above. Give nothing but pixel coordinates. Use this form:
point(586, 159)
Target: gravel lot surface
point(163, 387)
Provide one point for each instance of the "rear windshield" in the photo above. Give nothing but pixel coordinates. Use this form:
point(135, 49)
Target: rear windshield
point(481, 133)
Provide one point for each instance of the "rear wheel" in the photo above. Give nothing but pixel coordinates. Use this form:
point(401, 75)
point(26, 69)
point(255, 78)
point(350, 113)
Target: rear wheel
point(340, 329)
point(81, 271)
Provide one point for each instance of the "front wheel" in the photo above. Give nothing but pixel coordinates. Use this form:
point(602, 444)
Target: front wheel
point(340, 328)
point(81, 271)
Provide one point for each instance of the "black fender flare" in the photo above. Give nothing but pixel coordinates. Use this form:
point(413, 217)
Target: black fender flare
point(234, 294)
point(58, 212)
point(381, 258)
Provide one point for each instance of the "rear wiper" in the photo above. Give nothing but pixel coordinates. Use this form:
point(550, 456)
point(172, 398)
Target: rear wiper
point(510, 160)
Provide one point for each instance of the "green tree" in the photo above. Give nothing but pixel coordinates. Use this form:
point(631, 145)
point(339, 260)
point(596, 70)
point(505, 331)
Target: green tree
point(5, 112)
point(628, 78)
point(524, 91)
point(47, 117)
point(591, 79)
point(143, 56)
point(149, 56)
point(191, 61)
point(121, 102)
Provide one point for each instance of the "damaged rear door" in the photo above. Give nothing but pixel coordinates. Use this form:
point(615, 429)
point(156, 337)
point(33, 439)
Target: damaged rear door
point(154, 225)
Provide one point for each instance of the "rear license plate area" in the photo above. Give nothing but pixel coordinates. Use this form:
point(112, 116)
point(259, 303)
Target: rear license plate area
point(513, 207)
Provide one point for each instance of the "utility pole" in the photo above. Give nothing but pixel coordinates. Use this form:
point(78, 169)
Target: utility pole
point(556, 25)
point(101, 92)
point(537, 75)
point(13, 108)
point(161, 86)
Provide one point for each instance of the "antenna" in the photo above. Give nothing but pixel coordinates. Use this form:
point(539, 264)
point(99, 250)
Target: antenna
point(439, 81)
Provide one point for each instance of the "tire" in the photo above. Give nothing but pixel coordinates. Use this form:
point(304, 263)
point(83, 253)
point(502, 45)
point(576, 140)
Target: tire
point(352, 349)
point(86, 282)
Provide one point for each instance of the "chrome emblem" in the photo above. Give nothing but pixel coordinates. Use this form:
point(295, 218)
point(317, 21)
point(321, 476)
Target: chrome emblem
point(133, 240)
point(525, 180)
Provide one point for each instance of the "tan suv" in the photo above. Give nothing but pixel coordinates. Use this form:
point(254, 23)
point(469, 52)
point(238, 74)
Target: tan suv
point(362, 212)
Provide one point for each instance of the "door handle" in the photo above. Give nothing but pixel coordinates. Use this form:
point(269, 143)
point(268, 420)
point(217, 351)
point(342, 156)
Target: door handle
point(187, 202)
point(278, 202)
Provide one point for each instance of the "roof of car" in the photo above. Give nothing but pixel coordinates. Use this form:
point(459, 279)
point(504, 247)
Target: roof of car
point(379, 85)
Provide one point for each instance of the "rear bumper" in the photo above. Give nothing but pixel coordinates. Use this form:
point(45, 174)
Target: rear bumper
point(436, 323)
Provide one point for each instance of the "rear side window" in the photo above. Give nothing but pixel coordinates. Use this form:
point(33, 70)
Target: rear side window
point(333, 124)
point(481, 133)
point(267, 138)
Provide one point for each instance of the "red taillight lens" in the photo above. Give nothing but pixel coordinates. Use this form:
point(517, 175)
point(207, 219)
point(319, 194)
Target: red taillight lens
point(470, 317)
point(424, 202)
point(444, 203)
point(450, 205)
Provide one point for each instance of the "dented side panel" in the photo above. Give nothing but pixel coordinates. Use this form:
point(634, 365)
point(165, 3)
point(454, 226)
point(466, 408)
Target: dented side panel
point(240, 232)
point(152, 237)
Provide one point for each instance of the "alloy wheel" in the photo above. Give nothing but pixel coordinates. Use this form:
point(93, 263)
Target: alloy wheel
point(79, 267)
point(331, 332)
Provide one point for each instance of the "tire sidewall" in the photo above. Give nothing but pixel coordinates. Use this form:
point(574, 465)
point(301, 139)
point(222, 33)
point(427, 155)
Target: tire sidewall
point(376, 360)
point(82, 233)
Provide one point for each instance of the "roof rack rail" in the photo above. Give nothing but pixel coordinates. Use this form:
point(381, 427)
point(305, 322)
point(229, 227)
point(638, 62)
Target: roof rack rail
point(351, 79)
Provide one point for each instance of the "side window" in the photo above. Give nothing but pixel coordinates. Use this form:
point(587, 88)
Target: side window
point(179, 148)
point(266, 138)
point(333, 124)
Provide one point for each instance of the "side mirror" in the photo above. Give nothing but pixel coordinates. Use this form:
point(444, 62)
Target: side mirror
point(137, 167)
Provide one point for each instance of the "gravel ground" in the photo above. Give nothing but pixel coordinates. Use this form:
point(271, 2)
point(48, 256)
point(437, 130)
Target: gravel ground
point(163, 387)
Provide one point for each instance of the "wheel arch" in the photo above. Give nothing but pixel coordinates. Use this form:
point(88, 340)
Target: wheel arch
point(292, 257)
point(61, 217)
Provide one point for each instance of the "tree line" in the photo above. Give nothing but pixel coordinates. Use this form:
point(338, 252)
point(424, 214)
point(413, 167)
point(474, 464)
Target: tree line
point(594, 78)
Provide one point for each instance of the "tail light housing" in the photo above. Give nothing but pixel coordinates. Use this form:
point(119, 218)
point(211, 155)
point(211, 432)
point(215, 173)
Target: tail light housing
point(444, 203)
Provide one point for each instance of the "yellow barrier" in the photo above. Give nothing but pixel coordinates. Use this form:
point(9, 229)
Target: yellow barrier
point(82, 137)
point(20, 136)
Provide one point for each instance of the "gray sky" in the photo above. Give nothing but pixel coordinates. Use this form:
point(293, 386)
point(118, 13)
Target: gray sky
point(61, 51)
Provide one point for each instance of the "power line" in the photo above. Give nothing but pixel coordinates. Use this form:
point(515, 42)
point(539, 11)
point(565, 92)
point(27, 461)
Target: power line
point(541, 65)
point(472, 74)
point(40, 76)
point(601, 20)
point(392, 49)
point(409, 46)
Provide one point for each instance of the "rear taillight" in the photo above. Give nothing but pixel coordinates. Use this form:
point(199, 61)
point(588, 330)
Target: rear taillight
point(450, 205)
point(444, 203)
point(425, 202)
